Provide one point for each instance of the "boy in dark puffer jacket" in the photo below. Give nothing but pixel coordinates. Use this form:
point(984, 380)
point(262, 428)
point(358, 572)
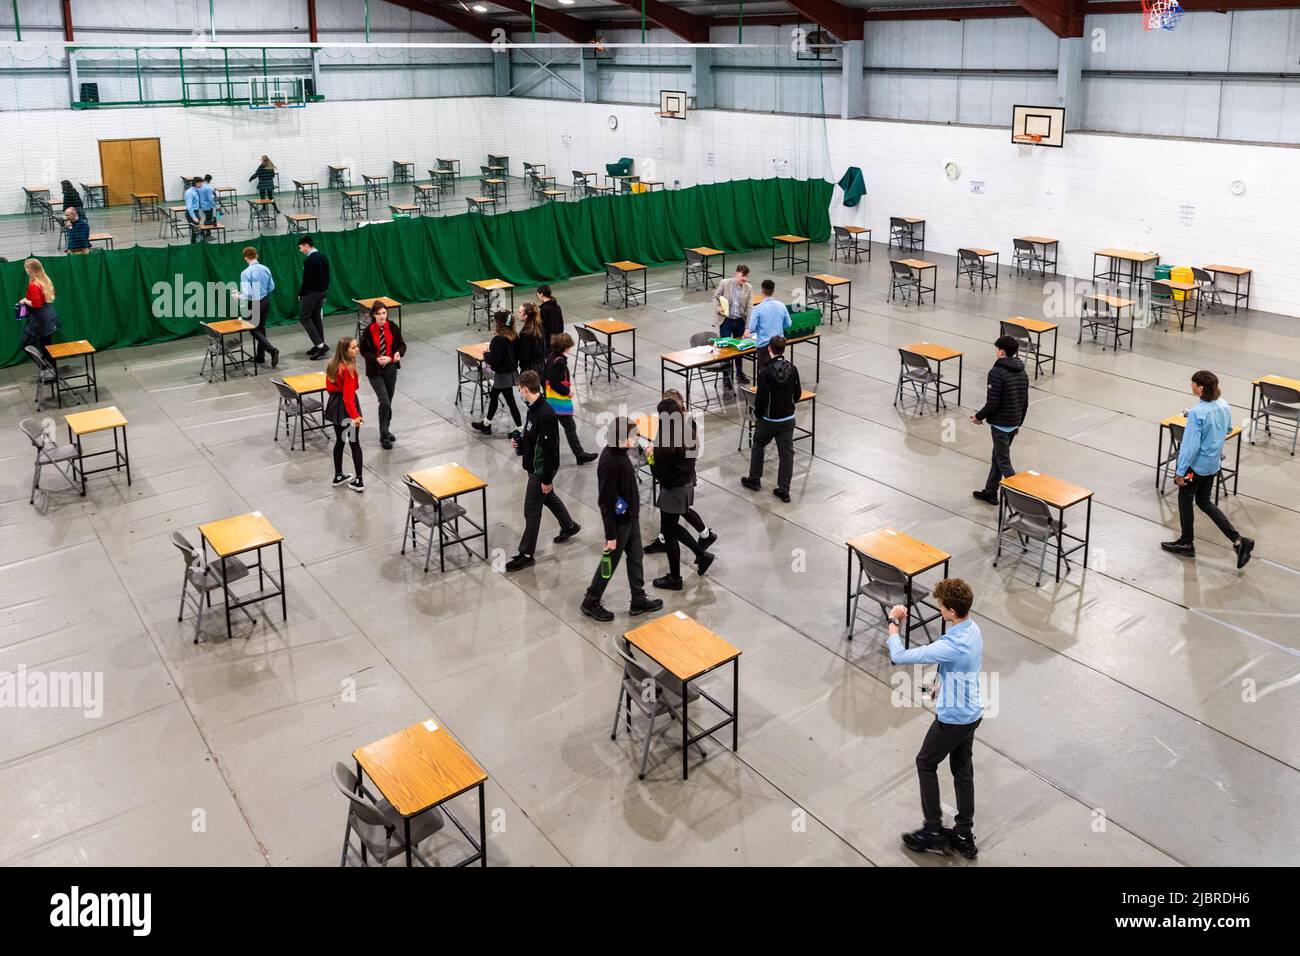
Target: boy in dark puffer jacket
point(1004, 410)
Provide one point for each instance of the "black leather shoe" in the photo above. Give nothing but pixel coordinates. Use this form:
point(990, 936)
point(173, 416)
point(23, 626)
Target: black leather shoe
point(597, 612)
point(1182, 548)
point(926, 841)
point(782, 494)
point(520, 561)
point(707, 540)
point(703, 563)
point(1244, 547)
point(753, 484)
point(565, 535)
point(985, 497)
point(668, 583)
point(644, 604)
point(657, 546)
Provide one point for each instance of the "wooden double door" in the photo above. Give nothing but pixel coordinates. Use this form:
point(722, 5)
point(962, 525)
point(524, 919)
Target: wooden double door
point(130, 166)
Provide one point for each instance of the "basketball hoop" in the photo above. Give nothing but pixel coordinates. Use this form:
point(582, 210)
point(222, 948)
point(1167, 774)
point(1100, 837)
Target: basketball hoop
point(1161, 14)
point(1027, 139)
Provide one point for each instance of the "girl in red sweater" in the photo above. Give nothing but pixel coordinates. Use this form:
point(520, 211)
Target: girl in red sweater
point(344, 411)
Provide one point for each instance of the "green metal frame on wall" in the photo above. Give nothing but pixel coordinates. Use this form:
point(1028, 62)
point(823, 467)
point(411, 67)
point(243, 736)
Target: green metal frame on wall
point(225, 97)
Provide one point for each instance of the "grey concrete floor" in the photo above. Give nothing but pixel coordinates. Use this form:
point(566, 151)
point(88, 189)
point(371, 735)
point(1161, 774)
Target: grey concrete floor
point(1146, 708)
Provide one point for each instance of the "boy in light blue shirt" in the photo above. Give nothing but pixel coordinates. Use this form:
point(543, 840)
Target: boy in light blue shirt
point(770, 317)
point(959, 652)
point(193, 204)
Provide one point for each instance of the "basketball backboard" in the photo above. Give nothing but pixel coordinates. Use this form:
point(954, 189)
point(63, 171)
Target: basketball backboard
point(672, 104)
point(1038, 125)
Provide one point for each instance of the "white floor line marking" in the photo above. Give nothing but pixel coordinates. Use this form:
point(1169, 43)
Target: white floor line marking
point(686, 307)
point(173, 388)
point(219, 398)
point(1294, 652)
point(1280, 567)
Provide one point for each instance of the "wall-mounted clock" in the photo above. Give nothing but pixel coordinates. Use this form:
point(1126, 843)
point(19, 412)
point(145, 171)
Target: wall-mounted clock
point(1238, 187)
point(952, 171)
point(613, 121)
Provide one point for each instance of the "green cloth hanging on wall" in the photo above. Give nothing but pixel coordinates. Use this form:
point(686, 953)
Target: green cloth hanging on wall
point(111, 297)
point(854, 186)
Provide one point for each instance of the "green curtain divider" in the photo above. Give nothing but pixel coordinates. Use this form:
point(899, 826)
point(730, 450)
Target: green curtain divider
point(108, 297)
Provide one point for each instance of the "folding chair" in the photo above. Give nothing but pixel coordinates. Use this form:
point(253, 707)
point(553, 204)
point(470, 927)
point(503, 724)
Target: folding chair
point(48, 453)
point(971, 265)
point(915, 370)
point(580, 184)
point(707, 376)
point(592, 351)
point(423, 508)
point(379, 828)
point(49, 375)
point(204, 579)
point(1208, 291)
point(1281, 403)
point(696, 266)
point(887, 586)
point(847, 243)
point(293, 410)
point(469, 371)
point(1026, 343)
point(1029, 519)
point(901, 279)
point(901, 234)
point(1025, 256)
point(655, 693)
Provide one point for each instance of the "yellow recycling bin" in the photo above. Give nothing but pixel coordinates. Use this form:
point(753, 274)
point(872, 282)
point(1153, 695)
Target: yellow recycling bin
point(1181, 274)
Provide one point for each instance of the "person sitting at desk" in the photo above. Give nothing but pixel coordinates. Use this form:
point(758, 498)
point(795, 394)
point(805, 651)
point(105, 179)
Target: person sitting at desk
point(767, 319)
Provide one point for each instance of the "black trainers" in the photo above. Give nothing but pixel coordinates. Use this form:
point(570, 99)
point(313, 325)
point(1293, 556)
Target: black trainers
point(707, 540)
point(1244, 547)
point(668, 583)
point(657, 546)
point(275, 359)
point(480, 427)
point(985, 497)
point(566, 534)
point(703, 562)
point(587, 457)
point(357, 485)
point(753, 484)
point(963, 843)
point(644, 603)
point(1182, 548)
point(386, 444)
point(925, 840)
point(782, 494)
point(341, 480)
point(597, 612)
point(519, 562)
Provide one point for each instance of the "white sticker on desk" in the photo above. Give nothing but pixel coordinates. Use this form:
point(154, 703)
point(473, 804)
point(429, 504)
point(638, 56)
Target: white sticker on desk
point(257, 514)
point(681, 616)
point(430, 726)
point(1034, 473)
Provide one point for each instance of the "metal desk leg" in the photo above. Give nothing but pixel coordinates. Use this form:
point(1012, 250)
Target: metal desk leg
point(483, 491)
point(1087, 532)
point(482, 826)
point(686, 733)
point(943, 625)
point(284, 585)
point(907, 603)
point(126, 454)
point(225, 587)
point(735, 705)
point(406, 828)
point(848, 591)
point(1160, 460)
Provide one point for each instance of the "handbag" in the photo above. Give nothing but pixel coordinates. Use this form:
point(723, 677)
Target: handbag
point(20, 312)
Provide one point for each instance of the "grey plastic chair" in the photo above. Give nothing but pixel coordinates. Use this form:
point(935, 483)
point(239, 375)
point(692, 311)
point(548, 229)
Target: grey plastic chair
point(971, 265)
point(1209, 290)
point(886, 586)
point(915, 370)
point(1029, 518)
point(292, 413)
point(204, 579)
point(58, 457)
point(845, 242)
point(654, 692)
point(593, 352)
point(1281, 403)
point(707, 377)
point(379, 828)
point(902, 280)
point(1025, 256)
point(48, 375)
point(469, 371)
point(901, 233)
point(1026, 343)
point(695, 267)
point(423, 508)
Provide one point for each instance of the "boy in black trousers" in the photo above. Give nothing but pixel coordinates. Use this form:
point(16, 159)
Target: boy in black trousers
point(620, 511)
point(539, 446)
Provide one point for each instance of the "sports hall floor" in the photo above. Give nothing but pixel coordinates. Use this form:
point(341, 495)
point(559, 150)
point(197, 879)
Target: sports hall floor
point(1121, 735)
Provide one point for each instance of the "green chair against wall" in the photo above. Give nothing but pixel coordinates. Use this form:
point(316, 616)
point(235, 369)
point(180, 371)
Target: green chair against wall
point(622, 168)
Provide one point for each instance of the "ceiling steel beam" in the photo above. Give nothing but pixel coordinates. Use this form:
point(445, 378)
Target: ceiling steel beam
point(688, 26)
point(571, 28)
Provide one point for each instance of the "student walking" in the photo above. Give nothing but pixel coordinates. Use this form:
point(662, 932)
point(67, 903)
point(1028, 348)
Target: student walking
point(78, 231)
point(1200, 457)
point(71, 198)
point(41, 322)
point(620, 512)
point(531, 346)
point(311, 296)
point(778, 393)
point(255, 288)
point(1005, 408)
point(552, 314)
point(500, 359)
point(193, 215)
point(672, 462)
point(208, 203)
point(738, 294)
point(707, 536)
point(383, 347)
point(343, 410)
point(958, 710)
point(265, 176)
point(539, 448)
point(558, 384)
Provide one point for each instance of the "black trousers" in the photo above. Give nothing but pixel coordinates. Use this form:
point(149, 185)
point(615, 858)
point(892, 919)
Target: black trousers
point(258, 311)
point(339, 432)
point(534, 500)
point(674, 535)
point(312, 318)
point(732, 328)
point(269, 194)
point(195, 234)
point(508, 396)
point(1001, 467)
point(571, 432)
point(954, 742)
point(628, 542)
point(764, 433)
point(385, 386)
point(1198, 490)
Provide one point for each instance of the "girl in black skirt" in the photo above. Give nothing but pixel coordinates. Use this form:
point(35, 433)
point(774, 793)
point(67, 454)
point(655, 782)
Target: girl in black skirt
point(531, 348)
point(500, 359)
point(673, 466)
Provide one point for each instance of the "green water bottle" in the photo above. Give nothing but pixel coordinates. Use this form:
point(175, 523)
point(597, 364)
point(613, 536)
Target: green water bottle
point(606, 564)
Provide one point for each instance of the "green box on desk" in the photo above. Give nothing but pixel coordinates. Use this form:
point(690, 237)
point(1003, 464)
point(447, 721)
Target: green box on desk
point(804, 323)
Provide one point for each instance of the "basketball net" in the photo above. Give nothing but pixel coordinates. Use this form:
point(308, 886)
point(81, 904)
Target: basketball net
point(1160, 14)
